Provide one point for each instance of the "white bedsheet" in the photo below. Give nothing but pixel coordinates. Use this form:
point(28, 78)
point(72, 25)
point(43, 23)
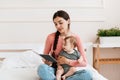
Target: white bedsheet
point(23, 66)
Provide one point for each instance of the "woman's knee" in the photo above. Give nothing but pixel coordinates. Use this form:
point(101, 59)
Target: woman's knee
point(89, 75)
point(46, 72)
point(81, 75)
point(86, 75)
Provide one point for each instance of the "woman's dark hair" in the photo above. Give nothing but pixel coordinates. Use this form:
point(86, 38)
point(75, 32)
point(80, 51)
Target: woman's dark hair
point(62, 14)
point(56, 40)
point(65, 16)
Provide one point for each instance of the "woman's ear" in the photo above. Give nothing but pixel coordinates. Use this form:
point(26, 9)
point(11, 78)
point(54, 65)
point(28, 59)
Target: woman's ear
point(68, 21)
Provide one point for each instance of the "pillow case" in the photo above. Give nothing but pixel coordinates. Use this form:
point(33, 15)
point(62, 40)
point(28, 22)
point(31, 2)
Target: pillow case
point(26, 59)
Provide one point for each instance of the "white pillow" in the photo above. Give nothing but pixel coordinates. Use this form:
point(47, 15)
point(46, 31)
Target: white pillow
point(31, 59)
point(14, 62)
point(25, 59)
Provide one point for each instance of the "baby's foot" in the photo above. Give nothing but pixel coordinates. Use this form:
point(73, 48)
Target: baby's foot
point(63, 77)
point(58, 78)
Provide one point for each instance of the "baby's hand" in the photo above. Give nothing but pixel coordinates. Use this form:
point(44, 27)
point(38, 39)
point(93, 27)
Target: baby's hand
point(62, 60)
point(59, 59)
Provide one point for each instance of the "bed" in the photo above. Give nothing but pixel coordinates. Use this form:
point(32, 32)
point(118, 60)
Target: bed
point(21, 62)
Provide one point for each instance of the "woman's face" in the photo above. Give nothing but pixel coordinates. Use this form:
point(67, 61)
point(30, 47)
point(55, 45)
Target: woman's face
point(61, 24)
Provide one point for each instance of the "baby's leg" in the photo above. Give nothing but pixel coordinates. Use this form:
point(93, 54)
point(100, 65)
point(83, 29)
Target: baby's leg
point(59, 73)
point(71, 71)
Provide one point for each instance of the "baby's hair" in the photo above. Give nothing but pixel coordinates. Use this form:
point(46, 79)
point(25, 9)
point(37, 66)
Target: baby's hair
point(72, 40)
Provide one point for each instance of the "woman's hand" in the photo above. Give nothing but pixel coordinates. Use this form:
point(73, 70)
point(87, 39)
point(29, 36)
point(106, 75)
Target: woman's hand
point(47, 62)
point(80, 59)
point(63, 60)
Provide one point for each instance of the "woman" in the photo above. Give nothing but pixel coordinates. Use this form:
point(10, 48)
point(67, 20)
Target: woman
point(53, 46)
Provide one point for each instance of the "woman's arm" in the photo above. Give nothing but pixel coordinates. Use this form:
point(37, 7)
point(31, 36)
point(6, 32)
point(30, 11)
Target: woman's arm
point(48, 44)
point(47, 48)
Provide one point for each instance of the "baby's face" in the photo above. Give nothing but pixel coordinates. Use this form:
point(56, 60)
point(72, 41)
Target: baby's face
point(67, 46)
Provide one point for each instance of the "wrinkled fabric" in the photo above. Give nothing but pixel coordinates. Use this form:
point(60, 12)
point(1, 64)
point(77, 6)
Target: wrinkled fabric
point(46, 72)
point(81, 75)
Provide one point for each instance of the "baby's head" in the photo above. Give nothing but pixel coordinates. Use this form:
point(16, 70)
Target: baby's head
point(69, 43)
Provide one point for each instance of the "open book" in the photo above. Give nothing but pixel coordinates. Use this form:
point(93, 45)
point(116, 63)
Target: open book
point(46, 56)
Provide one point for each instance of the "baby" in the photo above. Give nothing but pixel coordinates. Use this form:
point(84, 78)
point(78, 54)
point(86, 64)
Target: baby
point(69, 51)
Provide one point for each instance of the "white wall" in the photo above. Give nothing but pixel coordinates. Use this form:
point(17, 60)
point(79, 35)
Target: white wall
point(30, 21)
point(112, 11)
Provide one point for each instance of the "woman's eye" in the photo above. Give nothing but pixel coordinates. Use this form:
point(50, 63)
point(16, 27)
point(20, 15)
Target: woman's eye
point(55, 24)
point(61, 23)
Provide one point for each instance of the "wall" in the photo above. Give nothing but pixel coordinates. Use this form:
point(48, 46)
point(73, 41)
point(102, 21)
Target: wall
point(30, 21)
